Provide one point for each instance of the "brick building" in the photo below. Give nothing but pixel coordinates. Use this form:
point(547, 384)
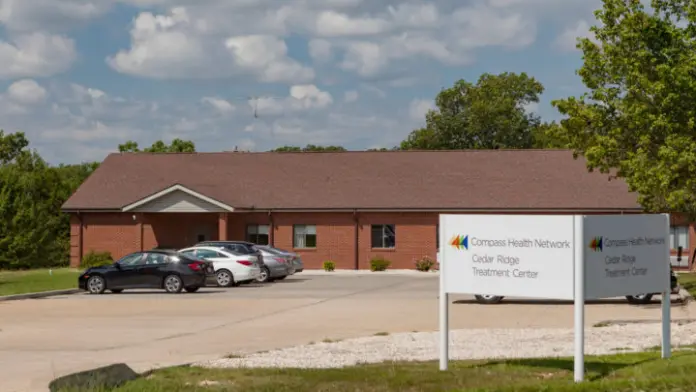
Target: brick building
point(346, 207)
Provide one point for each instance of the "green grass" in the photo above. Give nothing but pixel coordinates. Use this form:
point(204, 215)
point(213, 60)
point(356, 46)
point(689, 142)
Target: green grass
point(688, 282)
point(34, 281)
point(614, 373)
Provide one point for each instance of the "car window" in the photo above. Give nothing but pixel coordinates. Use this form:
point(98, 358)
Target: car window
point(155, 258)
point(190, 252)
point(132, 259)
point(207, 254)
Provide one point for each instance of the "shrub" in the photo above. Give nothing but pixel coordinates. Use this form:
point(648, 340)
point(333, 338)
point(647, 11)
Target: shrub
point(379, 263)
point(329, 266)
point(425, 264)
point(96, 259)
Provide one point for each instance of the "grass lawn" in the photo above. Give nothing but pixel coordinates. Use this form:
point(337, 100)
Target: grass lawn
point(33, 281)
point(616, 373)
point(688, 282)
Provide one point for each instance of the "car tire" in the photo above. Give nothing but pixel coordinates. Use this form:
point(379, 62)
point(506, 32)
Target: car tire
point(116, 291)
point(488, 299)
point(265, 276)
point(191, 289)
point(96, 284)
point(173, 284)
point(224, 278)
point(640, 299)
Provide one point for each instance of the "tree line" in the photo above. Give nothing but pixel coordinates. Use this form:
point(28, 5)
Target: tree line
point(636, 121)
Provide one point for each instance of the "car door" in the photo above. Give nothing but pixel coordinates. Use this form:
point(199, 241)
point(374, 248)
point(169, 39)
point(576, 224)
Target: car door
point(153, 270)
point(126, 275)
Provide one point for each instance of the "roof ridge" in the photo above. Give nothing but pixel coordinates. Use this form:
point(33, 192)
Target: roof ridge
point(348, 151)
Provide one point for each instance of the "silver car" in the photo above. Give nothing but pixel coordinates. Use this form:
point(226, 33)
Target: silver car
point(276, 266)
point(295, 259)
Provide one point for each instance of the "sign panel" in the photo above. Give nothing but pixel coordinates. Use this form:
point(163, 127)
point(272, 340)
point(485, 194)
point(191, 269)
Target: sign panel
point(509, 255)
point(626, 255)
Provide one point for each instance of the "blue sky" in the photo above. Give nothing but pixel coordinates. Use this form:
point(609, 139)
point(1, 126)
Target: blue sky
point(81, 76)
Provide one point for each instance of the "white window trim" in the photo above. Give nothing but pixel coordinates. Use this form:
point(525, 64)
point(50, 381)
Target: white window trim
point(175, 188)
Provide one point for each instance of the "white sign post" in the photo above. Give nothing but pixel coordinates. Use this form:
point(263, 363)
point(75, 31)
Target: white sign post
point(549, 256)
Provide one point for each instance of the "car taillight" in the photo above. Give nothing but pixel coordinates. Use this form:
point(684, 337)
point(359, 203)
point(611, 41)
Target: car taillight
point(196, 265)
point(245, 262)
point(279, 259)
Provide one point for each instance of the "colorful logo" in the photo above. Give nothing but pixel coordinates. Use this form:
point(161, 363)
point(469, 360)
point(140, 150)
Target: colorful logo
point(596, 244)
point(460, 241)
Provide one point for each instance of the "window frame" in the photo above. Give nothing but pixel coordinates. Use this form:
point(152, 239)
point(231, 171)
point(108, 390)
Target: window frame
point(383, 244)
point(295, 243)
point(674, 238)
point(253, 235)
point(218, 254)
point(139, 262)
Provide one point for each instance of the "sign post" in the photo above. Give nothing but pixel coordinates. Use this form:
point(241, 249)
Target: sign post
point(562, 257)
point(579, 300)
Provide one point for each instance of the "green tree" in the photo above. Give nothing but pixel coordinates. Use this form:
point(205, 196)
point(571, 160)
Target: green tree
point(33, 230)
point(309, 148)
point(637, 121)
point(488, 114)
point(177, 145)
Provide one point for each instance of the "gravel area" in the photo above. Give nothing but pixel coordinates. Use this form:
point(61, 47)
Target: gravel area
point(464, 344)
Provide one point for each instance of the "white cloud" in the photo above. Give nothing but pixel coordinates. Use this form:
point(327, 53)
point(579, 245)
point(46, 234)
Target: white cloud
point(567, 41)
point(33, 15)
point(219, 104)
point(332, 24)
point(36, 54)
point(418, 108)
point(267, 57)
point(301, 98)
point(320, 50)
point(179, 46)
point(27, 92)
point(350, 96)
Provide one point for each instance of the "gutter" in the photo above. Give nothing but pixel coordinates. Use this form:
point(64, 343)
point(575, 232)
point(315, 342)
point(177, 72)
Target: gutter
point(356, 246)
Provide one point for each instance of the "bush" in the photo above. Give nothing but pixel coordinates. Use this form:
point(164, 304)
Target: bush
point(425, 264)
point(96, 259)
point(379, 263)
point(329, 266)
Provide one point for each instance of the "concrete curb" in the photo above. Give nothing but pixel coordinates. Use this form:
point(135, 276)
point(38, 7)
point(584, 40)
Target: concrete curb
point(414, 273)
point(42, 294)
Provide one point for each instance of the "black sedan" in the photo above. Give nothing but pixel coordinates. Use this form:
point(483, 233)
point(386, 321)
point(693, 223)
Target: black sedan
point(154, 269)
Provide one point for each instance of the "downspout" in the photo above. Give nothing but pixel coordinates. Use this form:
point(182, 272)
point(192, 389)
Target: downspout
point(80, 244)
point(271, 229)
point(356, 246)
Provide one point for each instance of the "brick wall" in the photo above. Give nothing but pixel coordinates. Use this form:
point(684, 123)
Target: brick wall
point(416, 234)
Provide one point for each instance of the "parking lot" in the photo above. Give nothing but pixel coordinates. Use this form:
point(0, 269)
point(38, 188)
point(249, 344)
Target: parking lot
point(44, 338)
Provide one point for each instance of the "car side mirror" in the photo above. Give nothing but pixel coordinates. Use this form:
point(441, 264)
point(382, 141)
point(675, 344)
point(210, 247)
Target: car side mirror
point(117, 265)
point(679, 253)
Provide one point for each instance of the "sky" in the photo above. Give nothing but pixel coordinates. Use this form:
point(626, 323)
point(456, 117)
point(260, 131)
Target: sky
point(80, 77)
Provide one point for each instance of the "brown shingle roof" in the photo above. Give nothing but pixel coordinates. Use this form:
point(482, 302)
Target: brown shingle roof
point(483, 179)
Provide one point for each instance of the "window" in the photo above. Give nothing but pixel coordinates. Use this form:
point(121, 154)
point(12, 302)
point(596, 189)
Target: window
point(131, 259)
point(383, 236)
point(257, 234)
point(304, 236)
point(155, 258)
point(679, 236)
point(200, 237)
point(207, 254)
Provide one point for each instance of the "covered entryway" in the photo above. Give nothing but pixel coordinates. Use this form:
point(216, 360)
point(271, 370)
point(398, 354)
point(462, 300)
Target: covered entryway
point(177, 217)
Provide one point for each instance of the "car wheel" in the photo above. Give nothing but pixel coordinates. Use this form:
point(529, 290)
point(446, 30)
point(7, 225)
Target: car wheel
point(488, 299)
point(191, 289)
point(265, 275)
point(116, 291)
point(96, 285)
point(173, 284)
point(224, 278)
point(640, 299)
